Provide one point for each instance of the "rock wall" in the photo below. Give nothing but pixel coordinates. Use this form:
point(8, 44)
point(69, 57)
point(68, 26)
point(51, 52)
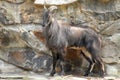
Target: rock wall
point(22, 42)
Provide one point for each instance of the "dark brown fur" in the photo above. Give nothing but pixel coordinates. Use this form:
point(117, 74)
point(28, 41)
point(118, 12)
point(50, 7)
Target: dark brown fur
point(59, 37)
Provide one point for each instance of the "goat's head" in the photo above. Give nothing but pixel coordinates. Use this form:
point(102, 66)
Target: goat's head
point(48, 14)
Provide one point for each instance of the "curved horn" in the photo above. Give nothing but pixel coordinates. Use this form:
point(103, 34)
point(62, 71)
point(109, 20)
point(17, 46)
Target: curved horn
point(51, 8)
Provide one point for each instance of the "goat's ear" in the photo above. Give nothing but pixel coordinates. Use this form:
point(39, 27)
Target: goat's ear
point(45, 8)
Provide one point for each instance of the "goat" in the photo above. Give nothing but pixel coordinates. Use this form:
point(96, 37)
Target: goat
point(60, 37)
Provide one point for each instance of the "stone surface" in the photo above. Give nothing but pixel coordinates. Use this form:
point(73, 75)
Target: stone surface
point(54, 2)
point(22, 42)
point(25, 48)
point(112, 70)
point(113, 28)
point(116, 38)
point(16, 1)
point(11, 72)
point(6, 68)
point(30, 61)
point(22, 48)
point(29, 76)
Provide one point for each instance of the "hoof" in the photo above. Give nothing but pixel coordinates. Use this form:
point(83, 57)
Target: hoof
point(102, 75)
point(52, 73)
point(62, 73)
point(85, 74)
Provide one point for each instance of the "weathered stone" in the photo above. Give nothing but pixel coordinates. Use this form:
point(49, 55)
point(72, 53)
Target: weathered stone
point(39, 35)
point(4, 38)
point(111, 60)
point(28, 59)
point(27, 49)
point(112, 28)
point(109, 49)
point(111, 70)
point(3, 18)
point(22, 38)
point(101, 6)
point(111, 57)
point(16, 1)
point(116, 39)
point(33, 42)
point(11, 13)
point(8, 68)
point(54, 2)
point(22, 43)
point(29, 13)
point(10, 38)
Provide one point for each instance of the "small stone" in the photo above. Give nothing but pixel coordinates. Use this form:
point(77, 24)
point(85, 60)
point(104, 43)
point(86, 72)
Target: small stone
point(110, 78)
point(16, 1)
point(116, 39)
point(111, 70)
point(51, 2)
point(110, 60)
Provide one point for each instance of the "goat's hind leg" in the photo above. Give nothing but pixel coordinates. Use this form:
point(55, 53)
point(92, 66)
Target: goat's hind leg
point(102, 72)
point(90, 60)
point(102, 67)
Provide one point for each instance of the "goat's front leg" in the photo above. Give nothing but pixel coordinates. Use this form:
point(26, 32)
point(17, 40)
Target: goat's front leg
point(62, 61)
point(55, 59)
point(90, 68)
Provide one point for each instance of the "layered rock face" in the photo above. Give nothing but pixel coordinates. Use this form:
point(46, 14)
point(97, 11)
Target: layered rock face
point(22, 42)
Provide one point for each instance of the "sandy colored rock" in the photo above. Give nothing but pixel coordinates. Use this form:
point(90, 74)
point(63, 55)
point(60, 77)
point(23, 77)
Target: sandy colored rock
point(22, 42)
